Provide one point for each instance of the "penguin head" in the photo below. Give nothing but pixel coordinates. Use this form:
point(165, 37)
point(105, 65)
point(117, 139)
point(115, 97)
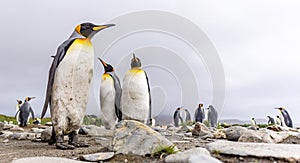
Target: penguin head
point(20, 102)
point(135, 62)
point(200, 105)
point(252, 118)
point(280, 109)
point(107, 67)
point(29, 98)
point(88, 30)
point(178, 109)
point(268, 117)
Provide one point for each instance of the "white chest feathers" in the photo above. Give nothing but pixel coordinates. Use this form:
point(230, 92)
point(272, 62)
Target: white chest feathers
point(107, 100)
point(71, 85)
point(135, 96)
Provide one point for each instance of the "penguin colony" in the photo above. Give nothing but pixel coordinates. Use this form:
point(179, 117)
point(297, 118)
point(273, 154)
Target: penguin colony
point(68, 88)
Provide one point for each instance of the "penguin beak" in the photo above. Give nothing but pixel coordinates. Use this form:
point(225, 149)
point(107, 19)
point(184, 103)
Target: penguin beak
point(100, 27)
point(133, 55)
point(103, 63)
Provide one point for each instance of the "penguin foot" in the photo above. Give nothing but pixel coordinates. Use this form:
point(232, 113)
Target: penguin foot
point(79, 144)
point(64, 146)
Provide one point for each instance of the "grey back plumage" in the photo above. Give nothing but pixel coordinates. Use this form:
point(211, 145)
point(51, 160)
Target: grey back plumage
point(199, 115)
point(60, 54)
point(25, 111)
point(212, 116)
point(118, 89)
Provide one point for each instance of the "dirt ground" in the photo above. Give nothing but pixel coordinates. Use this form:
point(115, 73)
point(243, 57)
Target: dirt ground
point(15, 149)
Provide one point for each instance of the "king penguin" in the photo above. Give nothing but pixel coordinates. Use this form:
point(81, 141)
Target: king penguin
point(18, 106)
point(271, 120)
point(286, 117)
point(212, 116)
point(199, 114)
point(278, 120)
point(136, 97)
point(24, 112)
point(69, 83)
point(253, 122)
point(110, 97)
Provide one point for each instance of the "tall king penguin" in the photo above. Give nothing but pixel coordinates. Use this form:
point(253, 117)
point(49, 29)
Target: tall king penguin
point(110, 97)
point(136, 97)
point(287, 120)
point(69, 82)
point(24, 112)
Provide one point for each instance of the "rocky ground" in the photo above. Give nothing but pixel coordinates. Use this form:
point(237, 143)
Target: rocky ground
point(134, 142)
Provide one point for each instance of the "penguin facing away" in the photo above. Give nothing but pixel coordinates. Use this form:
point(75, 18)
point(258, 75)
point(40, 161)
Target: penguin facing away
point(177, 117)
point(286, 117)
point(68, 85)
point(199, 114)
point(212, 116)
point(136, 96)
point(271, 120)
point(18, 106)
point(110, 97)
point(24, 112)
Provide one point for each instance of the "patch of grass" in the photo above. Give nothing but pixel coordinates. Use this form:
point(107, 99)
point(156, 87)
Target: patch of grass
point(206, 123)
point(163, 150)
point(92, 120)
point(8, 118)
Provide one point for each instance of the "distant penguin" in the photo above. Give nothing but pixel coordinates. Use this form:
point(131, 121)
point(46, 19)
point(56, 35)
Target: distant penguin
point(271, 120)
point(188, 115)
point(25, 111)
point(152, 122)
point(136, 97)
point(177, 118)
point(212, 116)
point(199, 114)
point(253, 122)
point(18, 106)
point(37, 121)
point(69, 82)
point(278, 120)
point(286, 117)
point(110, 97)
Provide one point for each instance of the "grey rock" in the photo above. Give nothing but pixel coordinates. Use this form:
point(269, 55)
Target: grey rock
point(233, 133)
point(31, 136)
point(203, 159)
point(46, 134)
point(253, 127)
point(93, 130)
point(133, 137)
point(16, 128)
point(6, 134)
point(291, 139)
point(97, 156)
point(183, 157)
point(185, 129)
point(250, 137)
point(20, 136)
point(36, 130)
point(282, 151)
point(5, 141)
point(45, 160)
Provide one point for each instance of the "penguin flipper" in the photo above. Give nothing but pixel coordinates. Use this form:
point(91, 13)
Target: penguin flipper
point(118, 95)
point(31, 112)
point(60, 54)
point(150, 108)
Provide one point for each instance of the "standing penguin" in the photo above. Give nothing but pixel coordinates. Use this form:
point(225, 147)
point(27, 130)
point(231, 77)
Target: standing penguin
point(271, 120)
point(212, 116)
point(110, 97)
point(188, 115)
point(199, 114)
point(286, 117)
point(278, 120)
point(253, 122)
point(18, 106)
point(136, 97)
point(177, 117)
point(69, 82)
point(24, 112)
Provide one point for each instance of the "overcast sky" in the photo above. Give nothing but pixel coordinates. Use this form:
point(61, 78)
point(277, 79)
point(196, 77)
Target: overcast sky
point(257, 41)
